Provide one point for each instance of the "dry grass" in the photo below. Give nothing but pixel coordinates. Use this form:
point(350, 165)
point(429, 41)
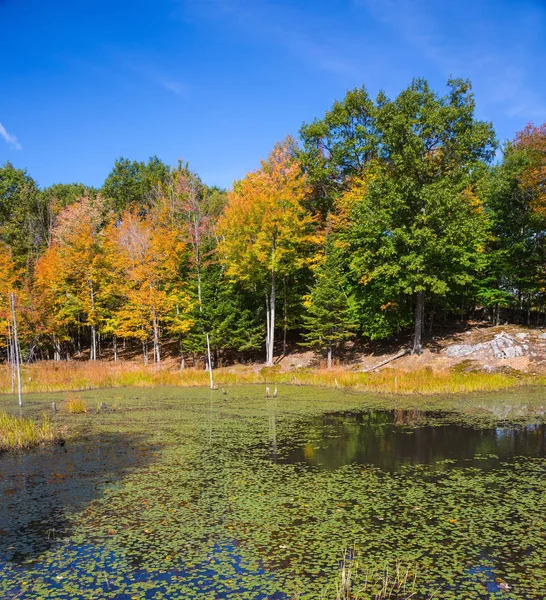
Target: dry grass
point(75, 405)
point(422, 381)
point(355, 583)
point(78, 376)
point(18, 433)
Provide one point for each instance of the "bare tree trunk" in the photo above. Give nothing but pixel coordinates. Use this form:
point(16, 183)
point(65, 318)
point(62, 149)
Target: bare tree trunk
point(93, 330)
point(11, 358)
point(285, 327)
point(209, 362)
point(207, 336)
point(419, 314)
point(93, 343)
point(145, 351)
point(182, 357)
point(271, 344)
point(56, 349)
point(329, 355)
point(267, 326)
point(17, 350)
point(157, 354)
point(115, 347)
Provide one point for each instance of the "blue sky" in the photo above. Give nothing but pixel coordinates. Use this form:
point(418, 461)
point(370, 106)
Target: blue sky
point(217, 82)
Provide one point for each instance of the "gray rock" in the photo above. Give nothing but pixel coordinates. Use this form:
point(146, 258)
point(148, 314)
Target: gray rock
point(504, 346)
point(458, 350)
point(501, 346)
point(521, 335)
point(542, 336)
point(513, 352)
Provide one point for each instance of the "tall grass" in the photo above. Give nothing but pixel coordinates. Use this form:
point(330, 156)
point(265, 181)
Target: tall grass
point(398, 582)
point(76, 376)
point(18, 433)
point(76, 405)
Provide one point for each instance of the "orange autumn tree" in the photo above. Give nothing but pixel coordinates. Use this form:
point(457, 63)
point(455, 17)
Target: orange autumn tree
point(9, 280)
point(146, 252)
point(532, 140)
point(265, 231)
point(70, 274)
point(10, 298)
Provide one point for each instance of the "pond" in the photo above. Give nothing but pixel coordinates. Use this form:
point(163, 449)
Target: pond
point(176, 493)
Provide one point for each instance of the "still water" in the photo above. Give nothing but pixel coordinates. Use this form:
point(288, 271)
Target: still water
point(391, 440)
point(183, 494)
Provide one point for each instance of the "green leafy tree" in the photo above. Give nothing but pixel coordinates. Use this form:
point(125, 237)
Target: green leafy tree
point(516, 248)
point(23, 219)
point(329, 319)
point(338, 147)
point(416, 225)
point(133, 185)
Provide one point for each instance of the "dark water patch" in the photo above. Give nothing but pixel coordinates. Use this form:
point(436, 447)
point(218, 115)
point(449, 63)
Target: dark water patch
point(392, 440)
point(43, 491)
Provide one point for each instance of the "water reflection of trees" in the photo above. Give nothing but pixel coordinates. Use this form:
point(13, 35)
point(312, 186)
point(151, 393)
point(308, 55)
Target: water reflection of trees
point(392, 439)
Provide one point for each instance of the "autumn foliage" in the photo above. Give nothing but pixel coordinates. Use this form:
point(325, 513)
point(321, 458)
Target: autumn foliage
point(385, 215)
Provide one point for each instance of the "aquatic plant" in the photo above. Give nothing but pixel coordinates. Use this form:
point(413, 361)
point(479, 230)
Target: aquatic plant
point(17, 433)
point(76, 405)
point(389, 582)
point(189, 493)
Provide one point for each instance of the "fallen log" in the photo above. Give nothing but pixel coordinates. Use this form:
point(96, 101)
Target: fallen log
point(387, 361)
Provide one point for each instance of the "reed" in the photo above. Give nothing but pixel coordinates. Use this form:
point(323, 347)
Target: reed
point(51, 376)
point(75, 405)
point(396, 582)
point(422, 381)
point(18, 433)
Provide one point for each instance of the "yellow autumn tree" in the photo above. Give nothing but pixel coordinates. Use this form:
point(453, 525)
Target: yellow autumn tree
point(265, 231)
point(147, 251)
point(69, 275)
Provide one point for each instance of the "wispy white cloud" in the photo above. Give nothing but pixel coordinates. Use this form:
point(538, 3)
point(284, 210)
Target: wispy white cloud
point(167, 83)
point(477, 48)
point(279, 24)
point(147, 69)
point(9, 138)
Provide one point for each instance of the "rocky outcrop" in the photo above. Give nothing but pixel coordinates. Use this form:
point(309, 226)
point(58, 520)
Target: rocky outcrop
point(459, 350)
point(502, 346)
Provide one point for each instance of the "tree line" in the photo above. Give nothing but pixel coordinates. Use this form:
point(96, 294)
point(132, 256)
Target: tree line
point(385, 215)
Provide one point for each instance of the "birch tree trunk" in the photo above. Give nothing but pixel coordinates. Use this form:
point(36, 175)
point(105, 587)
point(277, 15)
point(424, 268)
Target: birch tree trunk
point(11, 358)
point(271, 322)
point(207, 336)
point(182, 357)
point(145, 351)
point(93, 329)
point(267, 326)
point(56, 349)
point(285, 328)
point(157, 354)
point(17, 350)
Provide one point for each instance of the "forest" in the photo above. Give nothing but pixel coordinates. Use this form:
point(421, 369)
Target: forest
point(384, 216)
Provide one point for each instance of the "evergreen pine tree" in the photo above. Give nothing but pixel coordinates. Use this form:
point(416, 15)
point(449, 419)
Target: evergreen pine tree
point(329, 320)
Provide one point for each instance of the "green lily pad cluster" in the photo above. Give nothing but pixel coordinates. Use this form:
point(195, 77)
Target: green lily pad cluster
point(196, 494)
